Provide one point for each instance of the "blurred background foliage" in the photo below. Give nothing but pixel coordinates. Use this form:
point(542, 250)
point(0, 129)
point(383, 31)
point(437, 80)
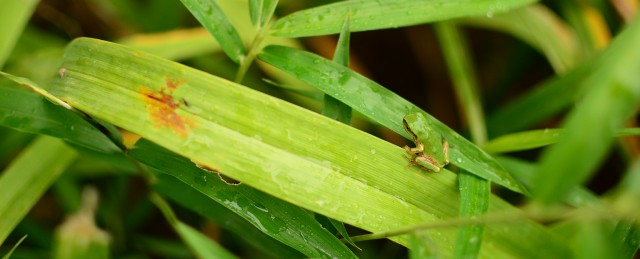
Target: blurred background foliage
point(406, 60)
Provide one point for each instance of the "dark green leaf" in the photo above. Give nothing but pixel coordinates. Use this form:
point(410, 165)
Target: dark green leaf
point(211, 16)
point(288, 224)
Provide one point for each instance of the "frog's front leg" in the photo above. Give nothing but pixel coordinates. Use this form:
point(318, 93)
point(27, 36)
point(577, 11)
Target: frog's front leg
point(415, 150)
point(445, 150)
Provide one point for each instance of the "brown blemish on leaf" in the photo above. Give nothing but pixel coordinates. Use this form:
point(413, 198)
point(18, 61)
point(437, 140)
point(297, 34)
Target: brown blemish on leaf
point(162, 107)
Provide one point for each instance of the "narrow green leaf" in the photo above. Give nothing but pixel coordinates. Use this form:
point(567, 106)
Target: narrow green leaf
point(198, 202)
point(198, 243)
point(539, 27)
point(421, 246)
point(537, 138)
point(474, 201)
point(8, 255)
point(333, 108)
point(305, 158)
point(613, 94)
point(523, 140)
point(14, 15)
point(593, 239)
point(547, 99)
point(382, 14)
point(280, 220)
point(474, 192)
point(261, 11)
point(202, 246)
point(626, 236)
point(211, 16)
point(30, 112)
point(382, 106)
point(176, 44)
point(28, 177)
point(524, 171)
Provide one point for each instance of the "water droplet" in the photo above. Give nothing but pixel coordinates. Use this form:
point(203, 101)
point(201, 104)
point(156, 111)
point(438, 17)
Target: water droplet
point(373, 151)
point(459, 160)
point(316, 61)
point(490, 14)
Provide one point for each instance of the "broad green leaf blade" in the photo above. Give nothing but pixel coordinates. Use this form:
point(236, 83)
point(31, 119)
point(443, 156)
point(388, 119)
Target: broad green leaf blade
point(28, 177)
point(382, 106)
point(198, 202)
point(613, 95)
point(383, 14)
point(474, 191)
point(29, 112)
point(14, 15)
point(288, 224)
point(211, 16)
point(539, 27)
point(305, 158)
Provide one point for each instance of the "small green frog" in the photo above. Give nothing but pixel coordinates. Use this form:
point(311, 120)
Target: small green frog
point(435, 156)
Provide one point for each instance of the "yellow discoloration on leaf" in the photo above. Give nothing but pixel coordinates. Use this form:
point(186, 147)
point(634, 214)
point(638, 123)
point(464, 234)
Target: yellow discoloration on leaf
point(162, 107)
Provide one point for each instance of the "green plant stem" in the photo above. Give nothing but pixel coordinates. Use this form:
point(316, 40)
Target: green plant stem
point(246, 62)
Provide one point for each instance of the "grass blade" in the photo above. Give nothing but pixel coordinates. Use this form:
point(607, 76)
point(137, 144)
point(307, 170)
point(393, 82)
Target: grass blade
point(14, 15)
point(382, 106)
point(261, 11)
point(190, 198)
point(280, 220)
point(540, 28)
point(28, 177)
point(223, 127)
point(613, 94)
point(29, 112)
point(333, 108)
point(474, 191)
point(198, 243)
point(474, 201)
point(372, 15)
point(547, 99)
point(176, 44)
point(211, 16)
point(8, 254)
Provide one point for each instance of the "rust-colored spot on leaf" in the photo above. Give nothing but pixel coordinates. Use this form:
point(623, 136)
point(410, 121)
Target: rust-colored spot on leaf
point(162, 107)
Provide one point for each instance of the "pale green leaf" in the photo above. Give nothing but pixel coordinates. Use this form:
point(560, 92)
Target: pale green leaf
point(14, 15)
point(383, 14)
point(28, 177)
